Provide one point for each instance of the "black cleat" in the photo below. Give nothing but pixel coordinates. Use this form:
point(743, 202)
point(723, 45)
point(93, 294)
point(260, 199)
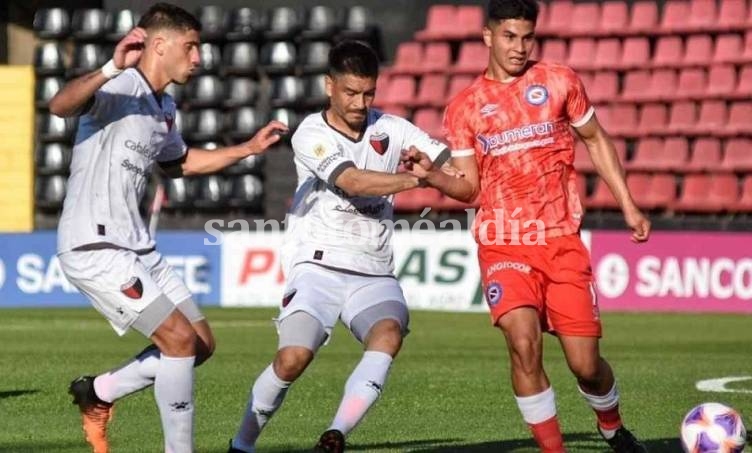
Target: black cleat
point(331, 441)
point(95, 413)
point(233, 449)
point(624, 442)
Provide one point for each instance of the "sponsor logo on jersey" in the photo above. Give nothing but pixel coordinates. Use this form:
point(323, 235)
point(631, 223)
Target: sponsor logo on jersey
point(494, 292)
point(134, 169)
point(509, 140)
point(319, 151)
point(379, 142)
point(145, 150)
point(536, 94)
point(504, 265)
point(488, 109)
point(324, 164)
point(133, 288)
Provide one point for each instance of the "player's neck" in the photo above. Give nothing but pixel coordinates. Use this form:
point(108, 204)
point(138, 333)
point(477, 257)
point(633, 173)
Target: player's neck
point(151, 72)
point(497, 73)
point(334, 121)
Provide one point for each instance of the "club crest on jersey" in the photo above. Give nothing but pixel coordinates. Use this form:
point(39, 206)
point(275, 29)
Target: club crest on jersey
point(379, 142)
point(133, 288)
point(494, 292)
point(536, 94)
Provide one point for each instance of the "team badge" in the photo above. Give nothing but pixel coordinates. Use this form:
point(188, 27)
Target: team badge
point(379, 142)
point(319, 151)
point(494, 293)
point(536, 94)
point(287, 298)
point(133, 288)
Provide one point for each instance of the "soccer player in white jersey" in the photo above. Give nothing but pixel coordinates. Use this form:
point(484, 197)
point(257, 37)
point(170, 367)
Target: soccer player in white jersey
point(126, 125)
point(337, 253)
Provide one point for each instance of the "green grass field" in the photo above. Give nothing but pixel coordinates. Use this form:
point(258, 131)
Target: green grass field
point(449, 390)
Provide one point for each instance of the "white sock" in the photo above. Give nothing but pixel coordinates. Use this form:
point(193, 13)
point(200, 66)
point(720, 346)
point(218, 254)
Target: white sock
point(266, 396)
point(537, 408)
point(362, 389)
point(603, 403)
point(133, 376)
point(173, 390)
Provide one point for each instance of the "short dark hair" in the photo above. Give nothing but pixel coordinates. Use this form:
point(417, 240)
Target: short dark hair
point(499, 10)
point(353, 57)
point(166, 15)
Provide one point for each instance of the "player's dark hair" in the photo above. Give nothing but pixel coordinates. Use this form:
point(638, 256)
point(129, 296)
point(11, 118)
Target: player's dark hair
point(499, 10)
point(165, 15)
point(353, 57)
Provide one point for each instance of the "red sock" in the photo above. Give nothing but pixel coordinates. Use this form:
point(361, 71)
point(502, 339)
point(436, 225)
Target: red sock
point(609, 419)
point(548, 435)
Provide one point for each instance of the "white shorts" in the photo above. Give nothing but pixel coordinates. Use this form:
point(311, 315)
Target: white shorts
point(328, 295)
point(120, 284)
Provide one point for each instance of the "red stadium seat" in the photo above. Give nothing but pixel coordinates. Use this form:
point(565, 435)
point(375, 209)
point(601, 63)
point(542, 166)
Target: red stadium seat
point(721, 81)
point(653, 120)
point(706, 155)
point(725, 191)
point(639, 187)
point(740, 119)
point(581, 184)
point(702, 15)
point(744, 203)
point(582, 161)
point(635, 84)
point(541, 27)
point(559, 17)
point(472, 59)
point(655, 154)
point(432, 90)
point(554, 50)
point(663, 85)
point(675, 16)
point(614, 18)
point(458, 83)
point(607, 53)
point(437, 57)
point(703, 193)
point(712, 118)
point(408, 58)
point(440, 21)
point(682, 117)
point(624, 120)
point(744, 89)
point(737, 156)
point(676, 151)
point(470, 21)
point(731, 15)
point(692, 84)
point(669, 52)
point(728, 48)
point(662, 191)
point(429, 120)
point(699, 50)
point(644, 17)
point(635, 53)
point(584, 16)
point(400, 92)
point(603, 113)
point(415, 200)
point(746, 56)
point(601, 197)
point(581, 51)
point(604, 86)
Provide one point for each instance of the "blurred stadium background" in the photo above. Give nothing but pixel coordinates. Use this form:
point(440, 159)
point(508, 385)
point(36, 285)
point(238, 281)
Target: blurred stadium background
point(671, 80)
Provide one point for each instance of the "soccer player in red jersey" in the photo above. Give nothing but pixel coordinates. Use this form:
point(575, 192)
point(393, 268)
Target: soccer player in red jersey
point(510, 132)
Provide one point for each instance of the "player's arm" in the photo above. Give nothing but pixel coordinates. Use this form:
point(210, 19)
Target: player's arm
point(200, 161)
point(78, 94)
point(460, 181)
point(606, 162)
point(366, 183)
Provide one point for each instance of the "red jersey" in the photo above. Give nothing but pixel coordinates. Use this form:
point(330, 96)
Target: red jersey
point(520, 135)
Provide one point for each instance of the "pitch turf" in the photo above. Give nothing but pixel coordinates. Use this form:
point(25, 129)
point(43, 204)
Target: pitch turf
point(449, 390)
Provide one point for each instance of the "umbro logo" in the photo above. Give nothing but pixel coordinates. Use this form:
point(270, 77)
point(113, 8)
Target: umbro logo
point(489, 109)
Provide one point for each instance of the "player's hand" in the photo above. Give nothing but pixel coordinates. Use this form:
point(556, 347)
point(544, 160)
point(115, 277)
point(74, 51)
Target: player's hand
point(129, 50)
point(266, 137)
point(638, 223)
point(417, 162)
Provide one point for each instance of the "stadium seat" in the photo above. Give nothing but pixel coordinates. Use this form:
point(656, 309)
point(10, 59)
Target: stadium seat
point(744, 203)
point(50, 192)
point(437, 57)
point(692, 84)
point(682, 117)
point(440, 21)
point(401, 91)
point(88, 24)
point(639, 187)
point(604, 86)
point(614, 18)
point(581, 184)
point(662, 86)
point(315, 91)
point(607, 54)
point(706, 155)
point(582, 161)
point(624, 118)
point(584, 17)
point(662, 191)
point(278, 58)
point(214, 191)
point(48, 59)
point(213, 22)
point(203, 125)
point(637, 86)
point(693, 195)
point(458, 83)
point(635, 53)
point(676, 153)
point(432, 90)
point(53, 158)
point(205, 91)
point(408, 58)
point(251, 164)
point(703, 16)
point(712, 118)
point(284, 23)
point(727, 49)
point(247, 192)
point(87, 57)
point(669, 52)
point(581, 51)
point(472, 59)
point(675, 16)
point(721, 81)
point(119, 23)
point(321, 23)
point(314, 57)
point(243, 123)
point(176, 91)
point(731, 15)
point(554, 51)
point(244, 24)
point(601, 198)
point(724, 192)
point(52, 128)
point(179, 192)
point(737, 156)
point(46, 88)
point(746, 56)
point(51, 23)
point(358, 24)
point(744, 89)
point(541, 27)
point(415, 200)
point(699, 50)
point(211, 58)
point(655, 154)
point(286, 116)
point(240, 58)
point(644, 17)
point(286, 91)
point(603, 113)
point(740, 119)
point(429, 120)
point(560, 15)
point(653, 120)
point(470, 20)
point(243, 91)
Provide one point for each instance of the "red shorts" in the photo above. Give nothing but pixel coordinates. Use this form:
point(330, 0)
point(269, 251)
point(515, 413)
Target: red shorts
point(555, 279)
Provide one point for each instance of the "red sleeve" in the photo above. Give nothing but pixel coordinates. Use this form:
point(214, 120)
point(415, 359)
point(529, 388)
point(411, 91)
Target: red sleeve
point(579, 109)
point(456, 127)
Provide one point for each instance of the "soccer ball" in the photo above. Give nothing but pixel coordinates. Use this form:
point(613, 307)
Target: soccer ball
point(713, 428)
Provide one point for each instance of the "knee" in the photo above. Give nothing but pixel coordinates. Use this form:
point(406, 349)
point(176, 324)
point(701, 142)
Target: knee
point(204, 349)
point(587, 372)
point(181, 342)
point(385, 336)
point(526, 354)
point(290, 362)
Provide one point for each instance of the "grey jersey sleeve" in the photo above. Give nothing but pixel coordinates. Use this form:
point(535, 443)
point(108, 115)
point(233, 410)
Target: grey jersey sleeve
point(320, 154)
point(115, 98)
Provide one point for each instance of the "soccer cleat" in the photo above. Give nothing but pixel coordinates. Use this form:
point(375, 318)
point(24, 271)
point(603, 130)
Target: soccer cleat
point(624, 442)
point(95, 413)
point(233, 449)
point(331, 441)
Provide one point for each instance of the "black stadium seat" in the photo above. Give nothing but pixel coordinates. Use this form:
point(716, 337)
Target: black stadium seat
point(119, 23)
point(286, 91)
point(53, 159)
point(177, 92)
point(213, 22)
point(241, 91)
point(240, 58)
point(55, 129)
point(203, 125)
point(251, 164)
point(284, 23)
point(179, 192)
point(88, 24)
point(243, 123)
point(315, 91)
point(322, 22)
point(278, 57)
point(245, 24)
point(213, 193)
point(86, 58)
point(51, 23)
point(50, 191)
point(211, 58)
point(286, 116)
point(314, 57)
point(45, 89)
point(247, 192)
point(48, 59)
point(205, 91)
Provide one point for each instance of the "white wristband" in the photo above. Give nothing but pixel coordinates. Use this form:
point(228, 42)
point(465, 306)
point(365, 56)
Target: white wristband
point(109, 70)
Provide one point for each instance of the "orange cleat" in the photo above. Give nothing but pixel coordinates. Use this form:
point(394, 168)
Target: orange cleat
point(95, 413)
